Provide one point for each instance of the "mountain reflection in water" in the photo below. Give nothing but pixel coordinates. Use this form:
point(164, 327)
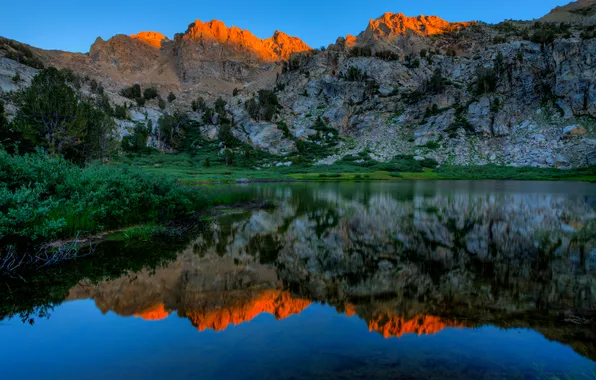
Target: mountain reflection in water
point(405, 258)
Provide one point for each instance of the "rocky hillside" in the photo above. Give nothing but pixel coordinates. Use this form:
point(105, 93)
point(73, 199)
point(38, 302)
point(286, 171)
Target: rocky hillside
point(515, 93)
point(580, 11)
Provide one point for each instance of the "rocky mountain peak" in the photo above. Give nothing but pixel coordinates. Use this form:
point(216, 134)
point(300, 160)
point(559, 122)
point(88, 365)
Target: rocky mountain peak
point(391, 25)
point(278, 47)
point(150, 38)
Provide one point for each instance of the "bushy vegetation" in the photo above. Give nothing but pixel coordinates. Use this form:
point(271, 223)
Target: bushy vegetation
point(137, 141)
point(198, 104)
point(354, 74)
point(486, 80)
point(150, 93)
point(53, 117)
point(387, 55)
point(264, 107)
point(547, 33)
point(437, 82)
point(132, 92)
point(358, 51)
point(44, 197)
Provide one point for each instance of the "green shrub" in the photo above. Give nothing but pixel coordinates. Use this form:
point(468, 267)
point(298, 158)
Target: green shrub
point(161, 104)
point(437, 82)
point(120, 112)
point(137, 141)
point(358, 51)
point(265, 107)
point(52, 116)
point(198, 104)
point(44, 197)
point(132, 92)
point(150, 93)
point(171, 97)
point(354, 74)
point(432, 145)
point(486, 80)
point(220, 106)
point(387, 55)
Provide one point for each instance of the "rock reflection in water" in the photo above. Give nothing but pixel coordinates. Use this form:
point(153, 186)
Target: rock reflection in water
point(405, 258)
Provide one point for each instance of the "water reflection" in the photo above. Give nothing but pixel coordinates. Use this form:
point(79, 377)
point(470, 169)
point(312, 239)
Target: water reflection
point(405, 258)
point(413, 257)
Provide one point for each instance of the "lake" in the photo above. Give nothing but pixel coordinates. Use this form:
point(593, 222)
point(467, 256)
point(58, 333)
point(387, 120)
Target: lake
point(400, 280)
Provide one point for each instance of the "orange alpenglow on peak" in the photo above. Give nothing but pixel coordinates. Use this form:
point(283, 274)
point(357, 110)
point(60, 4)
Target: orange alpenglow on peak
point(150, 38)
point(276, 302)
point(155, 313)
point(397, 326)
point(278, 47)
point(397, 24)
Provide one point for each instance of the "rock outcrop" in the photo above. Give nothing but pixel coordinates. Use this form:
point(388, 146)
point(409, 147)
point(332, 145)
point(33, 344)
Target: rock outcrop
point(154, 39)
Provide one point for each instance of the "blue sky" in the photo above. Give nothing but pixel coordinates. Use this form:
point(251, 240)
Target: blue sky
point(73, 25)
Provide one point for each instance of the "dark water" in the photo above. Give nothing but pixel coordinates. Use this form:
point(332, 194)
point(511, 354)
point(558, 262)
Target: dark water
point(408, 280)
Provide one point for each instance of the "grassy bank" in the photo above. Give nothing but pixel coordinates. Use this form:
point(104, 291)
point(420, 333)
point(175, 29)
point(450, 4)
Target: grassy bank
point(44, 198)
point(190, 170)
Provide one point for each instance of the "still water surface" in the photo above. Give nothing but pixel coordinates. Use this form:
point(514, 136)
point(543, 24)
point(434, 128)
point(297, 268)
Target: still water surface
point(411, 280)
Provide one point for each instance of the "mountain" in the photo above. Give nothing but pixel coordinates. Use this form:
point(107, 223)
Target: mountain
point(205, 51)
point(518, 93)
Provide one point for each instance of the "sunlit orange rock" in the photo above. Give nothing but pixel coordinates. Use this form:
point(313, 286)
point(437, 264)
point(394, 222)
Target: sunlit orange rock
point(397, 326)
point(150, 38)
point(278, 47)
point(351, 41)
point(397, 24)
point(350, 310)
point(155, 313)
point(276, 302)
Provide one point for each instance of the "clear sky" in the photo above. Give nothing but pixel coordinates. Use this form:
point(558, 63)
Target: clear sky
point(73, 25)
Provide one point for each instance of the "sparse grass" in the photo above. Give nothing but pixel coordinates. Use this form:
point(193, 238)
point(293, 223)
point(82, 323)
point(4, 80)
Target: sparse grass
point(142, 232)
point(190, 170)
